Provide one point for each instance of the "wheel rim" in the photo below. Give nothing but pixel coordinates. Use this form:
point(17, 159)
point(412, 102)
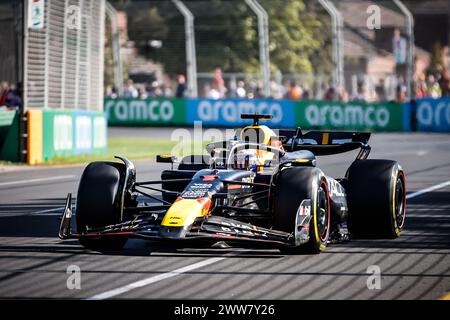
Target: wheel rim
point(400, 199)
point(323, 213)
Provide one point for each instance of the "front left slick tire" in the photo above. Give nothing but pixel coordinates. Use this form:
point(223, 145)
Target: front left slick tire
point(98, 203)
point(293, 185)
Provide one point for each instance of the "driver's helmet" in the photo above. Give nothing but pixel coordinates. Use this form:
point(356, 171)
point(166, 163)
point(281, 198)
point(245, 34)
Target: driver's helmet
point(246, 160)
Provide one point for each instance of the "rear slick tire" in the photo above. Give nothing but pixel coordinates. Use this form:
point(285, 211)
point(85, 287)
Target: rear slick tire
point(376, 195)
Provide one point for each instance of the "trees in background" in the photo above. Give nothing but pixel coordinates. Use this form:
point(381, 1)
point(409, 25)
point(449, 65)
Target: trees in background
point(227, 37)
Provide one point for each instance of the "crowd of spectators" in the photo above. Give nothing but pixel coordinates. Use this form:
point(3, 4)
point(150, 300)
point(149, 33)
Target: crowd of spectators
point(433, 85)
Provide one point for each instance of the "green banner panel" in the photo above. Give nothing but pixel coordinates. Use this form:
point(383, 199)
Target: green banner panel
point(386, 116)
point(68, 133)
point(148, 112)
point(9, 135)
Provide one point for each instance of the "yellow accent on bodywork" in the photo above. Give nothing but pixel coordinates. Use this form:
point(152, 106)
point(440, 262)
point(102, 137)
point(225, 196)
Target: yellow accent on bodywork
point(445, 296)
point(184, 212)
point(325, 138)
point(267, 132)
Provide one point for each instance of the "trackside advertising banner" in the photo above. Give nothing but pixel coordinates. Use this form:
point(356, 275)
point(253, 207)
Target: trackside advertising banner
point(432, 115)
point(387, 116)
point(227, 112)
point(67, 133)
point(59, 133)
point(220, 113)
point(286, 114)
point(148, 112)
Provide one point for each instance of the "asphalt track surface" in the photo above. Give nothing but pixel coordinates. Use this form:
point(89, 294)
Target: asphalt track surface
point(34, 262)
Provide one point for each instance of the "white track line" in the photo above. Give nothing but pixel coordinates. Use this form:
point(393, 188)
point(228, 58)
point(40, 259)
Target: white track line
point(142, 283)
point(59, 210)
point(10, 183)
point(427, 190)
point(54, 210)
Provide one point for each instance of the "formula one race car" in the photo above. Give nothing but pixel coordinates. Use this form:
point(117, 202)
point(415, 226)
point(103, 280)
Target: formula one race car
point(258, 189)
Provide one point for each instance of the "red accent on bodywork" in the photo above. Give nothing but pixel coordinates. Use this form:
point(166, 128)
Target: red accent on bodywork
point(209, 178)
point(206, 203)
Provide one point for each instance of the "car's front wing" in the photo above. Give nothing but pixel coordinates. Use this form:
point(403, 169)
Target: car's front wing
point(211, 229)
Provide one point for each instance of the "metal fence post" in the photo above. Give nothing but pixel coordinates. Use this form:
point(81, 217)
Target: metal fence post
point(118, 72)
point(263, 32)
point(191, 59)
point(410, 59)
point(338, 44)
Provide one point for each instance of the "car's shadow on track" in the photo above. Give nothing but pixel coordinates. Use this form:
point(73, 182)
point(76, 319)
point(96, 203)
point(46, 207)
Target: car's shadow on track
point(141, 248)
point(427, 227)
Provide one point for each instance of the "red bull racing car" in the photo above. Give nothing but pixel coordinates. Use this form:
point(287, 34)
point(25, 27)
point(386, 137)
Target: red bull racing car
point(257, 189)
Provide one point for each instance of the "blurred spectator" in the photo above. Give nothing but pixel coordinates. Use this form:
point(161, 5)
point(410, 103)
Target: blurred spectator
point(306, 92)
point(181, 86)
point(360, 92)
point(4, 87)
point(213, 91)
point(330, 94)
point(276, 90)
point(154, 91)
point(400, 91)
point(142, 91)
point(240, 90)
point(167, 91)
point(399, 47)
point(420, 87)
point(232, 87)
point(110, 92)
point(130, 91)
point(259, 93)
point(380, 91)
point(343, 95)
point(434, 90)
point(219, 83)
point(285, 89)
point(14, 96)
point(444, 83)
point(295, 91)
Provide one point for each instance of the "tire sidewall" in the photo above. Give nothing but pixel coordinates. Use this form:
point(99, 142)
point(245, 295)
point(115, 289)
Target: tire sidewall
point(302, 183)
point(316, 240)
point(398, 173)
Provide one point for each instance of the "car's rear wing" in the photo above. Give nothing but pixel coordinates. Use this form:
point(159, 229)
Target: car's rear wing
point(325, 142)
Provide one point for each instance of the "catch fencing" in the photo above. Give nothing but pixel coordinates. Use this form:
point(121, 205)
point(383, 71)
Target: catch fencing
point(64, 55)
